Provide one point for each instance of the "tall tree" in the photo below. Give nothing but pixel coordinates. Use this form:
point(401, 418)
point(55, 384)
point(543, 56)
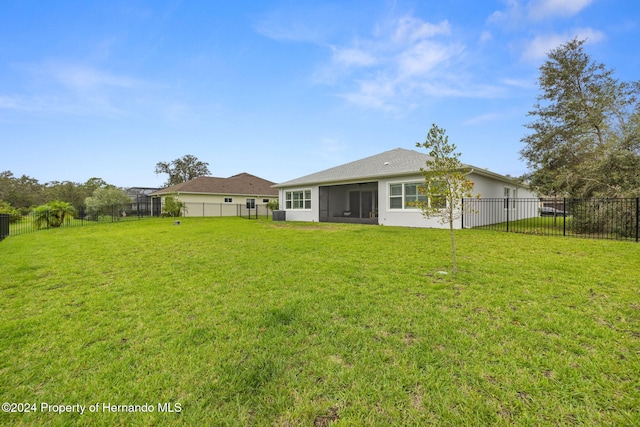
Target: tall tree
point(445, 183)
point(66, 191)
point(584, 140)
point(94, 183)
point(107, 200)
point(183, 169)
point(22, 192)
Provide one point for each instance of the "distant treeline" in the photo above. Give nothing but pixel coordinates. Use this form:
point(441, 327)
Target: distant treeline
point(25, 192)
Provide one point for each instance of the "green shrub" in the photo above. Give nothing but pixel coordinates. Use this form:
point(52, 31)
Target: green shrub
point(14, 214)
point(172, 207)
point(273, 205)
point(603, 217)
point(53, 214)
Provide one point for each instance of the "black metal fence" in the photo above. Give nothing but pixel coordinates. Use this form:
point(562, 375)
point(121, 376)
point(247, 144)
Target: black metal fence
point(616, 219)
point(4, 226)
point(34, 221)
point(247, 210)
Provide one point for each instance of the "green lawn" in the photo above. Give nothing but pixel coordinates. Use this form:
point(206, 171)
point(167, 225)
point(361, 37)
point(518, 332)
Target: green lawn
point(243, 322)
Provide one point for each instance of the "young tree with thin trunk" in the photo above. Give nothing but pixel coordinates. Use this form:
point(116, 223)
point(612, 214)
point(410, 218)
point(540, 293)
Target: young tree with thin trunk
point(445, 183)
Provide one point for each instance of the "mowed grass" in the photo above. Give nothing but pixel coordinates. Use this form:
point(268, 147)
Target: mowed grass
point(245, 322)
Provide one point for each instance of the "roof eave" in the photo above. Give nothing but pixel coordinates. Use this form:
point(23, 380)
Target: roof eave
point(346, 181)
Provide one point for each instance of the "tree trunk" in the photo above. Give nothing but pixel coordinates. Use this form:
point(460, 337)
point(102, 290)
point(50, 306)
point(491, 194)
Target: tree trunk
point(453, 247)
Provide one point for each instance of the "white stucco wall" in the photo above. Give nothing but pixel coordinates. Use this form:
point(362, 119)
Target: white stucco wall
point(198, 205)
point(402, 217)
point(309, 215)
point(490, 209)
point(491, 188)
point(214, 198)
point(486, 186)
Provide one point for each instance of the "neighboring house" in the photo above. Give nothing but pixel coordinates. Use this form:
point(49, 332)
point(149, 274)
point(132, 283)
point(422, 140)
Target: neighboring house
point(210, 196)
point(377, 189)
point(140, 199)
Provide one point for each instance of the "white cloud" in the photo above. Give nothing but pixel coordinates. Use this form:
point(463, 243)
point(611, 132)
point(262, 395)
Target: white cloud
point(82, 77)
point(56, 104)
point(484, 118)
point(516, 12)
point(542, 9)
point(16, 103)
point(410, 29)
point(510, 16)
point(520, 83)
point(422, 58)
point(353, 57)
point(400, 67)
point(540, 46)
point(295, 31)
point(404, 62)
point(485, 36)
point(75, 89)
point(375, 93)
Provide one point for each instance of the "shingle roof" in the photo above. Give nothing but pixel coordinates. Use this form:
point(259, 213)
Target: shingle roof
point(393, 162)
point(396, 162)
point(241, 184)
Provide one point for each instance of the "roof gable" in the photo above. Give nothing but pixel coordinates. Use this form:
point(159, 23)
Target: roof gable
point(242, 183)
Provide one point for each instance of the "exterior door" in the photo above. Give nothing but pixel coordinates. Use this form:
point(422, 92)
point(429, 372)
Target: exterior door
point(366, 202)
point(354, 204)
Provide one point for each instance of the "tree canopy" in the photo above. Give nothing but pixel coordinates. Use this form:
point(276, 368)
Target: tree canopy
point(25, 192)
point(585, 136)
point(107, 200)
point(183, 169)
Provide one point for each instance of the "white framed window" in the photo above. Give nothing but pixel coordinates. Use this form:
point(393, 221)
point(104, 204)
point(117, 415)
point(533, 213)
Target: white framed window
point(251, 203)
point(299, 199)
point(402, 195)
point(228, 199)
point(265, 200)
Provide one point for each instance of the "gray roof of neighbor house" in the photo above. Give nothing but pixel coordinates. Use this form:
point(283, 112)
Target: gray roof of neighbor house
point(240, 184)
point(396, 162)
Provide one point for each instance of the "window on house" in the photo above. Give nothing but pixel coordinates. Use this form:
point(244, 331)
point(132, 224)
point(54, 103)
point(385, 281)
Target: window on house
point(298, 199)
point(511, 194)
point(438, 201)
point(228, 199)
point(251, 203)
point(265, 200)
point(395, 196)
point(401, 196)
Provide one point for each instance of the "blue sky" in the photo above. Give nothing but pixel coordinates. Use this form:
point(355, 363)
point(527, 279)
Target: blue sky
point(280, 89)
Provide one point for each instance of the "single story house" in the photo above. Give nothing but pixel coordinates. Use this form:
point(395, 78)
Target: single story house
point(211, 196)
point(140, 199)
point(377, 189)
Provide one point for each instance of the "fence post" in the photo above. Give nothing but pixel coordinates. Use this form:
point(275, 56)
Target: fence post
point(4, 225)
point(507, 214)
point(462, 213)
point(637, 215)
point(564, 216)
